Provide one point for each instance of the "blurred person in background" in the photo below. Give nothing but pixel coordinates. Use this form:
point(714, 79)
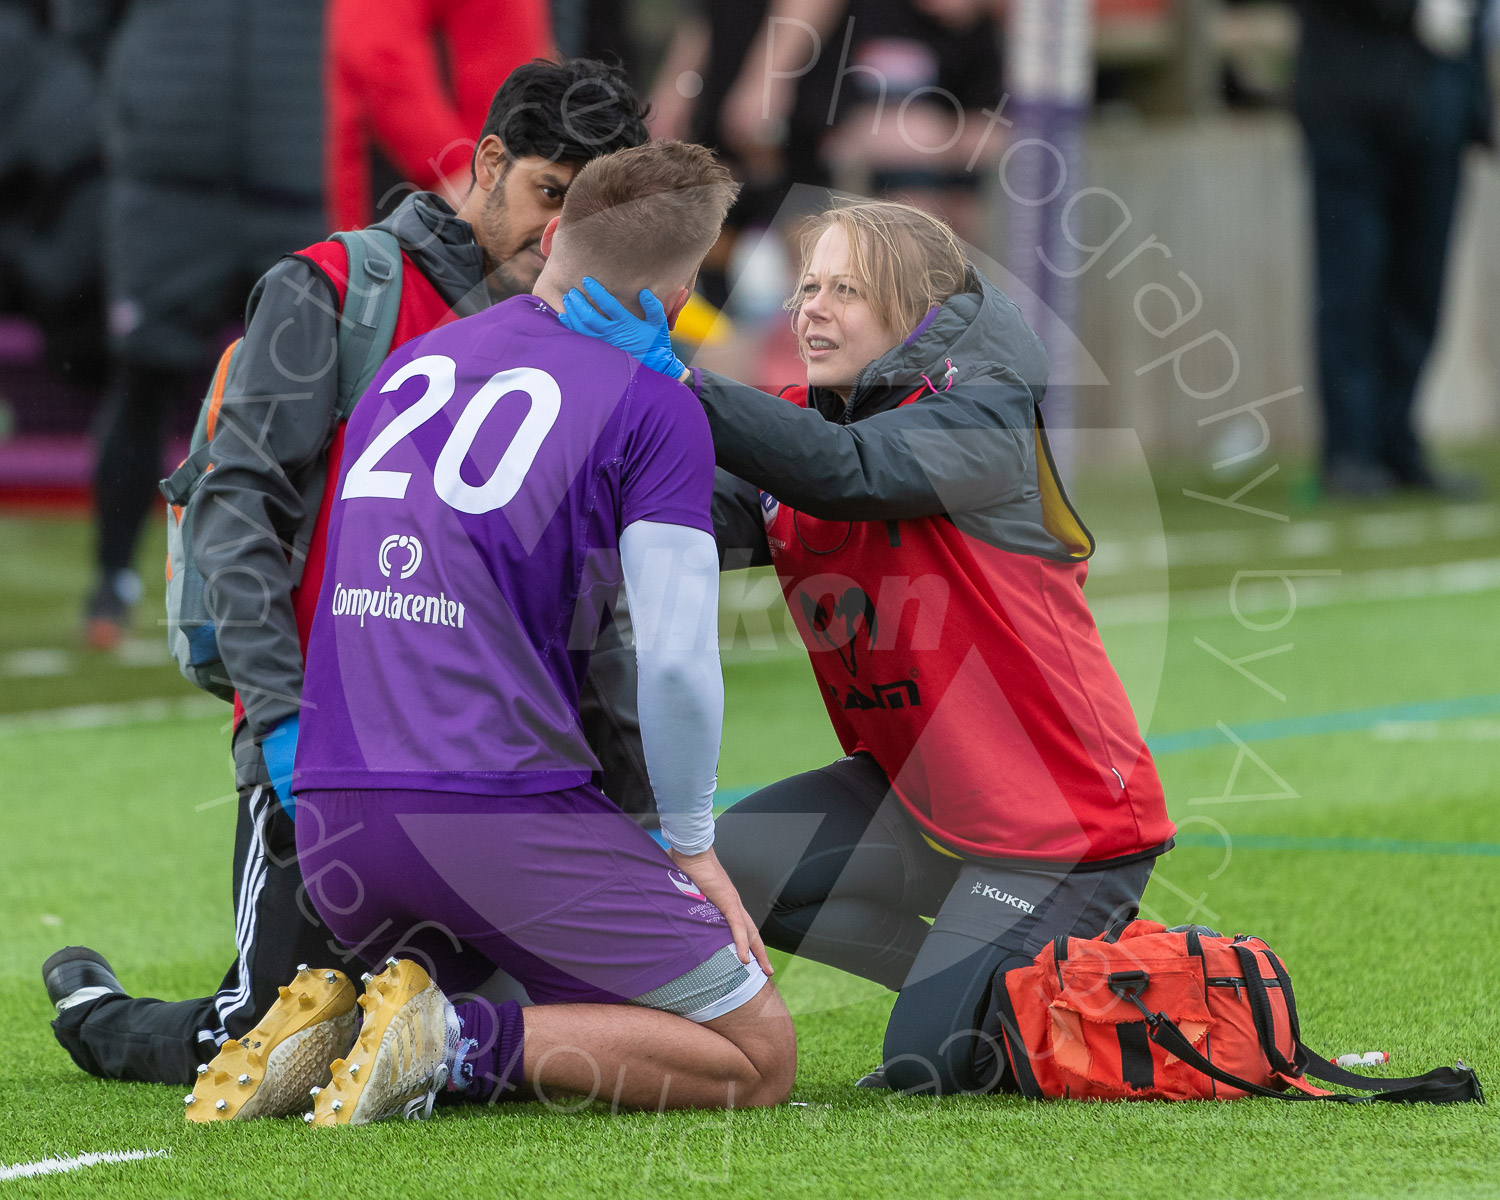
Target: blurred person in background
point(719, 49)
point(600, 29)
point(922, 74)
point(213, 154)
point(51, 182)
point(1389, 94)
point(409, 85)
point(910, 81)
point(276, 426)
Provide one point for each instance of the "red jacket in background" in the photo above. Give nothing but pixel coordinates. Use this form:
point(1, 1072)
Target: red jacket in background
point(414, 78)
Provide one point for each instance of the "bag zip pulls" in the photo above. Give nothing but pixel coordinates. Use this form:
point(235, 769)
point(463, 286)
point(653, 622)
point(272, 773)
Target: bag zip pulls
point(1231, 981)
point(1237, 983)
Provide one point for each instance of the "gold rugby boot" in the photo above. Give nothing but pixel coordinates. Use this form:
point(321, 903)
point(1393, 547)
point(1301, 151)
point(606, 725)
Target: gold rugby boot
point(403, 1055)
point(268, 1072)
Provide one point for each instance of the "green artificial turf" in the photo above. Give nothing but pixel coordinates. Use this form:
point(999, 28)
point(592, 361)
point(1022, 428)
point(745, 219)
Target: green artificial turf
point(1365, 849)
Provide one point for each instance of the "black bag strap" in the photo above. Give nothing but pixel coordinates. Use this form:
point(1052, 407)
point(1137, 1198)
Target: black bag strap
point(1010, 1028)
point(1444, 1085)
point(1326, 1072)
point(1260, 1009)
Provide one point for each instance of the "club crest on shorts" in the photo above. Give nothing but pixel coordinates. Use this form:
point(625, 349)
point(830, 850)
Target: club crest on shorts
point(685, 885)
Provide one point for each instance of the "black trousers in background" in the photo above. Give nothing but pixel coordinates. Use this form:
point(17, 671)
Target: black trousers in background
point(160, 1041)
point(179, 261)
point(132, 429)
point(1384, 187)
point(834, 869)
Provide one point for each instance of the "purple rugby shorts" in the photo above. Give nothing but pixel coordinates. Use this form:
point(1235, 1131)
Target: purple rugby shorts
point(561, 890)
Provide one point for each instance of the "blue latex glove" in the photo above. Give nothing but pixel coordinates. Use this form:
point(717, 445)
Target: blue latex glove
point(610, 321)
point(279, 749)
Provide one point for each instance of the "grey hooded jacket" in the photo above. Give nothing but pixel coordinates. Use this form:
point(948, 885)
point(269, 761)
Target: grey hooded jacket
point(971, 448)
point(274, 428)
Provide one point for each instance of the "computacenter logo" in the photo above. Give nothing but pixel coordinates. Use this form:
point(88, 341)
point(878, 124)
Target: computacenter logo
point(994, 893)
point(366, 603)
point(396, 546)
point(400, 554)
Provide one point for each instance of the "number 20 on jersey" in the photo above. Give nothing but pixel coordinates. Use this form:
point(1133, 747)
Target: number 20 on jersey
point(366, 479)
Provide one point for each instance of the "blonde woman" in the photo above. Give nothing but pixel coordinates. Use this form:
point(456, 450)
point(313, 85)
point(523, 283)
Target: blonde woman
point(995, 779)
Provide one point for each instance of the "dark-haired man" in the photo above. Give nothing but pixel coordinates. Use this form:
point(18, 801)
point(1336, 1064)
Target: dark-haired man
point(276, 424)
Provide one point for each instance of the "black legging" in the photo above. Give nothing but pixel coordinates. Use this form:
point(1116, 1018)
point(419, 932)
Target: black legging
point(132, 430)
point(834, 869)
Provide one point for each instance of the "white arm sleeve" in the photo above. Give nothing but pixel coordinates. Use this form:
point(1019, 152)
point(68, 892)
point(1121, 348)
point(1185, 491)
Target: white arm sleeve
point(672, 585)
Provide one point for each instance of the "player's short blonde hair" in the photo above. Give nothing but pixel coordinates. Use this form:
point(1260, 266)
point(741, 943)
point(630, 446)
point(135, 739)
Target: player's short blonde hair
point(904, 260)
point(646, 213)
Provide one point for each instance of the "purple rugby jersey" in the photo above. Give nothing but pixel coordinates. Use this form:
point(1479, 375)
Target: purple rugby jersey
point(473, 552)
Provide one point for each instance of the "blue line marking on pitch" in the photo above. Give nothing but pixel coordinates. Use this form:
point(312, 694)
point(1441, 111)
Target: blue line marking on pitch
point(1354, 721)
point(1273, 841)
point(1276, 841)
point(1336, 722)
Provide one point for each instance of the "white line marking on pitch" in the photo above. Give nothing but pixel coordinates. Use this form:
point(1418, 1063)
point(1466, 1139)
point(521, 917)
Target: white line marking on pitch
point(103, 716)
point(1120, 555)
point(41, 662)
point(56, 1166)
point(46, 662)
point(1353, 587)
point(1466, 577)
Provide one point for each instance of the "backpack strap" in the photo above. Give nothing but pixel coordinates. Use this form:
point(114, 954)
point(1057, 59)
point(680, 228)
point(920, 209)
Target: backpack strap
point(367, 325)
point(372, 302)
point(1444, 1085)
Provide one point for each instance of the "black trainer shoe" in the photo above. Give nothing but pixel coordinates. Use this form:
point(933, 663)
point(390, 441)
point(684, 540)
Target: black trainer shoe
point(875, 1079)
point(76, 975)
